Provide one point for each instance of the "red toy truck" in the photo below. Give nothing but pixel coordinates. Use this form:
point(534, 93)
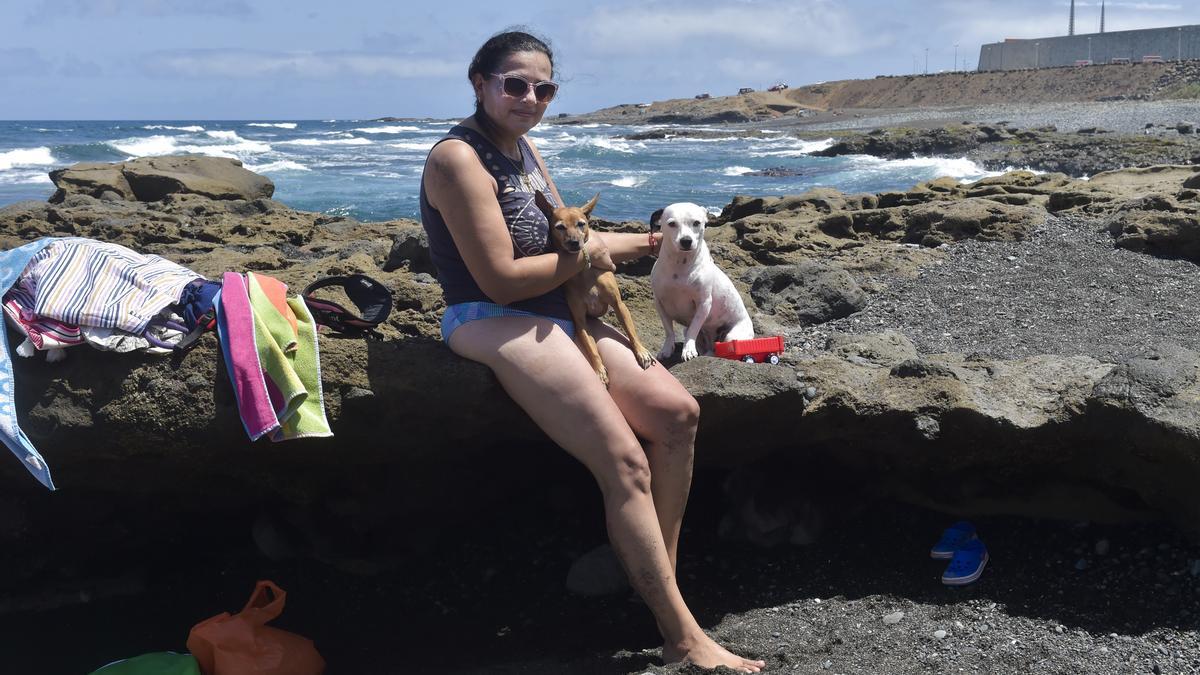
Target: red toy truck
point(756, 350)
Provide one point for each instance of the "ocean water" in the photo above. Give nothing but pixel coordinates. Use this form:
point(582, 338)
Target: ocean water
point(371, 170)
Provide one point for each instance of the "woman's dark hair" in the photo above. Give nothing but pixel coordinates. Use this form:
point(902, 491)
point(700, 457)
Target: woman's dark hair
point(495, 50)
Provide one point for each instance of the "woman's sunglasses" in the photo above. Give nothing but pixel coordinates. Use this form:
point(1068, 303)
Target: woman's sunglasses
point(518, 87)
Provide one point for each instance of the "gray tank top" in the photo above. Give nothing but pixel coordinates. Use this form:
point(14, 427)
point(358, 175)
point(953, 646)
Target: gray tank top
point(526, 223)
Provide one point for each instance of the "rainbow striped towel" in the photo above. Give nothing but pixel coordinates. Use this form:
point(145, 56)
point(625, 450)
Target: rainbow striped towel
point(275, 369)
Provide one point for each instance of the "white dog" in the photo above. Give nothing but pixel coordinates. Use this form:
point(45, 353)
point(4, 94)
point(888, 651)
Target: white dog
point(690, 289)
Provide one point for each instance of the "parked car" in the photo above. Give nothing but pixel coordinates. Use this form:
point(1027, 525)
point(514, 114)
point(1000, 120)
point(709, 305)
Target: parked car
point(778, 87)
point(746, 90)
point(643, 105)
point(702, 97)
point(1152, 58)
point(1083, 62)
point(1119, 60)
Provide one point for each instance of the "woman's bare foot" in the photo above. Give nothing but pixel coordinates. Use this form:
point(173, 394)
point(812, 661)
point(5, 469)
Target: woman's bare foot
point(705, 653)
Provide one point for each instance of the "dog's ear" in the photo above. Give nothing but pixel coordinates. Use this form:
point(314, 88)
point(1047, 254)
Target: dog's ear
point(543, 204)
point(587, 208)
point(654, 218)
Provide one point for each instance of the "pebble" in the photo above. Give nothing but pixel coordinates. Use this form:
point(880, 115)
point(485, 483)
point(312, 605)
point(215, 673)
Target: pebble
point(1082, 564)
point(810, 392)
point(827, 665)
point(1102, 547)
point(939, 634)
point(1196, 568)
point(1058, 629)
point(893, 618)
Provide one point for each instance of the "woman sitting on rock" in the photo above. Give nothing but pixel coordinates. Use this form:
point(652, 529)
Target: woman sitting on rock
point(507, 310)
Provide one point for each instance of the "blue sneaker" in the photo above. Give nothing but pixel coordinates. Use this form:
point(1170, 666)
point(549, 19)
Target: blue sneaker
point(967, 564)
point(955, 536)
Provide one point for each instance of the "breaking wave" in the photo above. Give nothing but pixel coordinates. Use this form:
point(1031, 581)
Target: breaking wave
point(24, 157)
point(193, 129)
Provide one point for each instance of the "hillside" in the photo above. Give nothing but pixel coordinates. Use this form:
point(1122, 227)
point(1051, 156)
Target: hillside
point(1047, 85)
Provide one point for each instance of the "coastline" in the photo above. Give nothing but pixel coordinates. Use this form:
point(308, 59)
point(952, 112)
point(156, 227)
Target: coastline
point(439, 585)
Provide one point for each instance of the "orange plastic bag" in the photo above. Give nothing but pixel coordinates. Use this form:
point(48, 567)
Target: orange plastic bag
point(243, 644)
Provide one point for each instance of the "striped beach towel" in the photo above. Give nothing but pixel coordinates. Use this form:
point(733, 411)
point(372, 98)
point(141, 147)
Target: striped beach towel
point(42, 332)
point(91, 283)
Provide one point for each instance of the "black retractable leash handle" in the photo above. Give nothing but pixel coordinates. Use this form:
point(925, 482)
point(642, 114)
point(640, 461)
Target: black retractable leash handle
point(373, 300)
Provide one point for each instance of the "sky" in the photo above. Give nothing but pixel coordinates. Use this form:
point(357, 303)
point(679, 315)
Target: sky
point(303, 59)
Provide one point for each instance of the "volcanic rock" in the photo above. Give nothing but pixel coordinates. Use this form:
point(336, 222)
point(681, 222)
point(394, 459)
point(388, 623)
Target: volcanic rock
point(150, 179)
point(805, 294)
point(1059, 435)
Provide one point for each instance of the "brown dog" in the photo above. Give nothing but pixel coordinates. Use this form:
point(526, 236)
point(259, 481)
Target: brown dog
point(592, 292)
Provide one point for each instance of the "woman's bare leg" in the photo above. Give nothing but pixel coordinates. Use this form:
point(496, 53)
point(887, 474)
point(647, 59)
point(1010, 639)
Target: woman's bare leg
point(664, 415)
point(543, 371)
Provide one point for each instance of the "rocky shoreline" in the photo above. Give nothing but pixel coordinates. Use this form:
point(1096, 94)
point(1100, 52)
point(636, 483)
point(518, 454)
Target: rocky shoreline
point(1083, 152)
point(947, 350)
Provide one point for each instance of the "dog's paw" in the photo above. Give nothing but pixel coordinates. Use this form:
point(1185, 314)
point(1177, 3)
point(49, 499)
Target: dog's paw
point(667, 350)
point(689, 350)
point(644, 358)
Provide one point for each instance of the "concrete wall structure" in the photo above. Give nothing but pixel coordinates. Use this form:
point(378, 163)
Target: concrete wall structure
point(1175, 43)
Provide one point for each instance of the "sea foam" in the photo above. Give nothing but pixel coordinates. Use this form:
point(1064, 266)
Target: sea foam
point(413, 145)
point(25, 157)
point(787, 147)
point(165, 145)
point(281, 165)
point(736, 170)
point(936, 167)
point(193, 129)
point(563, 140)
point(277, 125)
point(24, 177)
point(329, 141)
point(628, 181)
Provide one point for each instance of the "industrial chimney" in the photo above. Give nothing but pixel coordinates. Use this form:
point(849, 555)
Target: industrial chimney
point(1071, 26)
point(1101, 15)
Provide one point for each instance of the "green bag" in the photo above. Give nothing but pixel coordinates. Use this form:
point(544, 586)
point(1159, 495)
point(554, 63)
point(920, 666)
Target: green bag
point(158, 663)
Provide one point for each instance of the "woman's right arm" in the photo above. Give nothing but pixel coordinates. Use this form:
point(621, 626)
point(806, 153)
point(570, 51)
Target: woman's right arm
point(464, 193)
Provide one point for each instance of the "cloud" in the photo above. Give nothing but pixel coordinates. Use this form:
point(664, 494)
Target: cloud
point(388, 42)
point(751, 69)
point(247, 64)
point(53, 10)
point(22, 62)
point(1140, 6)
point(971, 25)
point(73, 66)
point(814, 27)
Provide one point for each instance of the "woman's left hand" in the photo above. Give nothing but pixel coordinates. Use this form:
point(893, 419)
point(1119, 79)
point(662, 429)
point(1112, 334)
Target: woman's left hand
point(656, 239)
point(597, 251)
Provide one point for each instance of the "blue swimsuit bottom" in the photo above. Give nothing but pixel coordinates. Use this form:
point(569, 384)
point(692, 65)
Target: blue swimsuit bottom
point(466, 312)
